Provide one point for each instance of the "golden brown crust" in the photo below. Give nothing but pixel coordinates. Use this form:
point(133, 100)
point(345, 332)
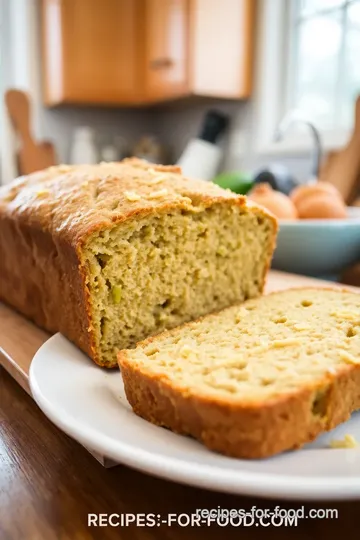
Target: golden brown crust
point(240, 431)
point(39, 277)
point(71, 202)
point(46, 217)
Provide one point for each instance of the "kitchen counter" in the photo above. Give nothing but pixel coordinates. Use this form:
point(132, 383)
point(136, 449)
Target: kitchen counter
point(49, 484)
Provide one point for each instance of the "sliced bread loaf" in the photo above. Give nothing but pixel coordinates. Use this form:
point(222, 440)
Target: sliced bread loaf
point(110, 254)
point(256, 379)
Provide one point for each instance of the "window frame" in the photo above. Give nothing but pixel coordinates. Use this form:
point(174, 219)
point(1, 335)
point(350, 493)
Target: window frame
point(272, 63)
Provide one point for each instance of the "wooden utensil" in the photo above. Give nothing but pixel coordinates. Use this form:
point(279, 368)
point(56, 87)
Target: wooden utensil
point(32, 156)
point(342, 168)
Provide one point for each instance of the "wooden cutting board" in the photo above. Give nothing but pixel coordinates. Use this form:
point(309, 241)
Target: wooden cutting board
point(20, 339)
point(32, 156)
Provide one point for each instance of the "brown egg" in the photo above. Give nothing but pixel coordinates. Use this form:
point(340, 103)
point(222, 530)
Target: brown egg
point(278, 203)
point(321, 205)
point(319, 187)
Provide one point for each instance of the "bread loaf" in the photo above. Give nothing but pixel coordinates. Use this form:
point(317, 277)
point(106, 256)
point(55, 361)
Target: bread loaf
point(112, 253)
point(256, 379)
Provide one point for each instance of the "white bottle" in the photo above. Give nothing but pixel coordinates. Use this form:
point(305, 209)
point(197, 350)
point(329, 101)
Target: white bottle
point(83, 150)
point(109, 154)
point(200, 159)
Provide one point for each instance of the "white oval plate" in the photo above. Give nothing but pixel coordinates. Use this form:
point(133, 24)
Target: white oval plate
point(89, 404)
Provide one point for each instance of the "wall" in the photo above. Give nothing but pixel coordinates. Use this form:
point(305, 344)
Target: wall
point(58, 125)
point(174, 124)
point(177, 123)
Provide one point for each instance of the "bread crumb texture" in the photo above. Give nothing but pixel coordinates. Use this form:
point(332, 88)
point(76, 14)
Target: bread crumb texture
point(256, 379)
point(266, 348)
point(158, 272)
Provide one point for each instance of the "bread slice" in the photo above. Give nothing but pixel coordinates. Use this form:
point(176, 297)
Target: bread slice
point(256, 379)
point(110, 254)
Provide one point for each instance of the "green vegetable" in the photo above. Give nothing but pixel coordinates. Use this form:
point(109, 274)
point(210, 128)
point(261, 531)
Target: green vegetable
point(238, 182)
point(116, 293)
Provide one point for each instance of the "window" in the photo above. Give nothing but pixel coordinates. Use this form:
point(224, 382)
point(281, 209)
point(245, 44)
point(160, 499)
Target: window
point(310, 60)
point(326, 53)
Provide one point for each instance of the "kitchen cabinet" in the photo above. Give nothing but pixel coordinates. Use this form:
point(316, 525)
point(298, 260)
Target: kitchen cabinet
point(90, 51)
point(138, 52)
point(114, 51)
point(222, 44)
point(166, 48)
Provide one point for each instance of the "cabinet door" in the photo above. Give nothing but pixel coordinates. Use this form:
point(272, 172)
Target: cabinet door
point(91, 51)
point(166, 48)
point(222, 44)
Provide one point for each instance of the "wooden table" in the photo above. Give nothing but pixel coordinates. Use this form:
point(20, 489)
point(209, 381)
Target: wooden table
point(49, 484)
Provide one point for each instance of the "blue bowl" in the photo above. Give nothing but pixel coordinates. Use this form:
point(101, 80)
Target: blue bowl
point(318, 247)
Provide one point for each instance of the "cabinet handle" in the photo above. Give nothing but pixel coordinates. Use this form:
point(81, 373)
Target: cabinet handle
point(161, 63)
